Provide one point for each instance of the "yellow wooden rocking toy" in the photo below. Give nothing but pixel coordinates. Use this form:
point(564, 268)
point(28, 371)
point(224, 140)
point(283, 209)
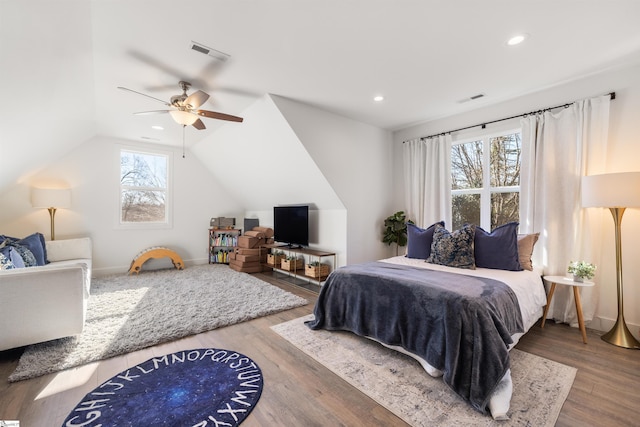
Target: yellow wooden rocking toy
point(155, 252)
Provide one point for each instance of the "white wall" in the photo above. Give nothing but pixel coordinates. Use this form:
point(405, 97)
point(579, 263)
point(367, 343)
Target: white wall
point(91, 171)
point(623, 156)
point(263, 162)
point(47, 84)
point(356, 160)
point(287, 152)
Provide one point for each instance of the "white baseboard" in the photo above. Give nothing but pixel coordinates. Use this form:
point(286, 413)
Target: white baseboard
point(604, 324)
point(152, 264)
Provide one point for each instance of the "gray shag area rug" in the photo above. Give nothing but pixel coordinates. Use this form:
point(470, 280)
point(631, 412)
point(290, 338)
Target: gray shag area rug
point(398, 382)
point(127, 313)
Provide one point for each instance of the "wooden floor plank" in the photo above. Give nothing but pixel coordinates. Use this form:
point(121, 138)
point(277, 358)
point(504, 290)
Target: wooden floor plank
point(300, 391)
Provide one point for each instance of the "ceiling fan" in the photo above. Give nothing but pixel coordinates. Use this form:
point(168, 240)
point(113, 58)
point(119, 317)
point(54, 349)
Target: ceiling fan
point(184, 108)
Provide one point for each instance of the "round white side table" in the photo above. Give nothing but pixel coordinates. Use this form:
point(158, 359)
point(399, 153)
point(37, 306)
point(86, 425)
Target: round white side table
point(567, 281)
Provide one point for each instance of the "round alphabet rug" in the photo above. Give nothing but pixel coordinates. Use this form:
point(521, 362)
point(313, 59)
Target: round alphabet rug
point(200, 387)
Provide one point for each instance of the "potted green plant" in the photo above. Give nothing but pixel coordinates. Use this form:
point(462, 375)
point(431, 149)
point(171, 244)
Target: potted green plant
point(395, 230)
point(581, 270)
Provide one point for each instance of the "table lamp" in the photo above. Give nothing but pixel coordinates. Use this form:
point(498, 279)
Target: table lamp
point(51, 199)
point(616, 191)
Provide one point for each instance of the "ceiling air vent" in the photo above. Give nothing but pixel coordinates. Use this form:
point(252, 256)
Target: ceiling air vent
point(471, 98)
point(199, 47)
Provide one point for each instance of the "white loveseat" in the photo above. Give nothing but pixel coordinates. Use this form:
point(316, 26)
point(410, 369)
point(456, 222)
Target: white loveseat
point(47, 302)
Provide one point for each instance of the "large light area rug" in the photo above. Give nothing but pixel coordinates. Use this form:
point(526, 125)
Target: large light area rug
point(399, 383)
point(127, 313)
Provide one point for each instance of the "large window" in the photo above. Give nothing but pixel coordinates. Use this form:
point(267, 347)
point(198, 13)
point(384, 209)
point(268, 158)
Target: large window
point(144, 191)
point(485, 180)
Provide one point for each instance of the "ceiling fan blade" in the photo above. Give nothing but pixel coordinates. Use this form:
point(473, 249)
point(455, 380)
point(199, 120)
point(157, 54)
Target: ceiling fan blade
point(199, 125)
point(196, 99)
point(219, 116)
point(148, 96)
point(142, 113)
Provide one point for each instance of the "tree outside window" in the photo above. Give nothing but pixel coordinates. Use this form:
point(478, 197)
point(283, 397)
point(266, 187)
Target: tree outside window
point(485, 178)
point(143, 187)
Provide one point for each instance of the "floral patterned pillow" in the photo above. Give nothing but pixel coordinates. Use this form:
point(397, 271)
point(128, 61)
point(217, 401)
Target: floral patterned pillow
point(5, 263)
point(453, 249)
point(27, 256)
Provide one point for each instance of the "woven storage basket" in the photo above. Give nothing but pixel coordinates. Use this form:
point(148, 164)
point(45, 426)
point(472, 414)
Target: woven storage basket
point(291, 264)
point(316, 271)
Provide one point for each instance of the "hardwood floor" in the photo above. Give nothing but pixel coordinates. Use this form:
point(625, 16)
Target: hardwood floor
point(300, 392)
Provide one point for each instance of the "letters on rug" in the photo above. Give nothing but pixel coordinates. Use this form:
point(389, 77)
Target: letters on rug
point(199, 387)
point(127, 313)
point(398, 382)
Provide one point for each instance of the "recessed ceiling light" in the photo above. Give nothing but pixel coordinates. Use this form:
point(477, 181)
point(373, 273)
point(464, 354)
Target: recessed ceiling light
point(157, 127)
point(517, 39)
point(378, 98)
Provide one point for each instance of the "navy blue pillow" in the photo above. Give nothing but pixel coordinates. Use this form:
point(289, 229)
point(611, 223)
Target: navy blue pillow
point(498, 249)
point(35, 243)
point(419, 240)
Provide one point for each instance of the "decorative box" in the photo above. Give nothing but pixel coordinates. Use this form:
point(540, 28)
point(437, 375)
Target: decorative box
point(222, 223)
point(316, 271)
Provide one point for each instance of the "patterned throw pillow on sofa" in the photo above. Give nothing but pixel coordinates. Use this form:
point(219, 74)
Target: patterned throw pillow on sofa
point(32, 248)
point(5, 263)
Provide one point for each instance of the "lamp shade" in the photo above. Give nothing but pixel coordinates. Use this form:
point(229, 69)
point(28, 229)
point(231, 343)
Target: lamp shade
point(51, 198)
point(183, 117)
point(611, 190)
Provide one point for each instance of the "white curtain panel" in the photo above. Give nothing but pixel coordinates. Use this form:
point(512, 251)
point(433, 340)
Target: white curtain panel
point(427, 177)
point(557, 150)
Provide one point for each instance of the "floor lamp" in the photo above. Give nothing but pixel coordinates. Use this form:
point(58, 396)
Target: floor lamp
point(51, 199)
point(616, 191)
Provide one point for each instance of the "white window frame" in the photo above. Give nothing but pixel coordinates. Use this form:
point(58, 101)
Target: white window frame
point(167, 223)
point(486, 190)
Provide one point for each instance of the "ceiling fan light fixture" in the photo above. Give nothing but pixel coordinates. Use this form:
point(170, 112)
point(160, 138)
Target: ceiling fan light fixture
point(183, 117)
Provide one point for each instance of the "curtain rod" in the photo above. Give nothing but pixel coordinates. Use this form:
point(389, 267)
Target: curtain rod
point(484, 125)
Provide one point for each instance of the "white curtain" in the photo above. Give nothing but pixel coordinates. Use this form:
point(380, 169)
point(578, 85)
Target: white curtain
point(557, 150)
point(427, 177)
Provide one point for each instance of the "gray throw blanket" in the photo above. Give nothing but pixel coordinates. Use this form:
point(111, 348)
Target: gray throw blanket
point(459, 324)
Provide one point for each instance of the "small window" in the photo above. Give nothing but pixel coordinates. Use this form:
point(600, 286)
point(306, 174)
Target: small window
point(144, 191)
point(485, 180)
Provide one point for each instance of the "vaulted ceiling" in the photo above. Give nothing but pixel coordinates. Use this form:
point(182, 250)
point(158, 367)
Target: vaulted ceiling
point(62, 61)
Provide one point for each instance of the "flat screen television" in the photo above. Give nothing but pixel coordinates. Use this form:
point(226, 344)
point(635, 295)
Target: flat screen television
point(291, 225)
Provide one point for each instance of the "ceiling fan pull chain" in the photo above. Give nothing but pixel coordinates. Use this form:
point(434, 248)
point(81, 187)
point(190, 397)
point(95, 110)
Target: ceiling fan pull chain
point(183, 126)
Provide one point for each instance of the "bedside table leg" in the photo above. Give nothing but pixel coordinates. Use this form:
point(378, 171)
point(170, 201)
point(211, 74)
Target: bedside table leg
point(576, 296)
point(546, 309)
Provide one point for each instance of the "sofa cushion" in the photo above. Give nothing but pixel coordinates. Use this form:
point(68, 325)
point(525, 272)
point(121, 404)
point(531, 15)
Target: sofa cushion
point(62, 250)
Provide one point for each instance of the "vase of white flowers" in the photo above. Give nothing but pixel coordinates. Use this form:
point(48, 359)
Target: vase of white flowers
point(581, 270)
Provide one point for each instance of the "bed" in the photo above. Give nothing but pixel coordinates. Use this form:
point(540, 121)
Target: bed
point(459, 323)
